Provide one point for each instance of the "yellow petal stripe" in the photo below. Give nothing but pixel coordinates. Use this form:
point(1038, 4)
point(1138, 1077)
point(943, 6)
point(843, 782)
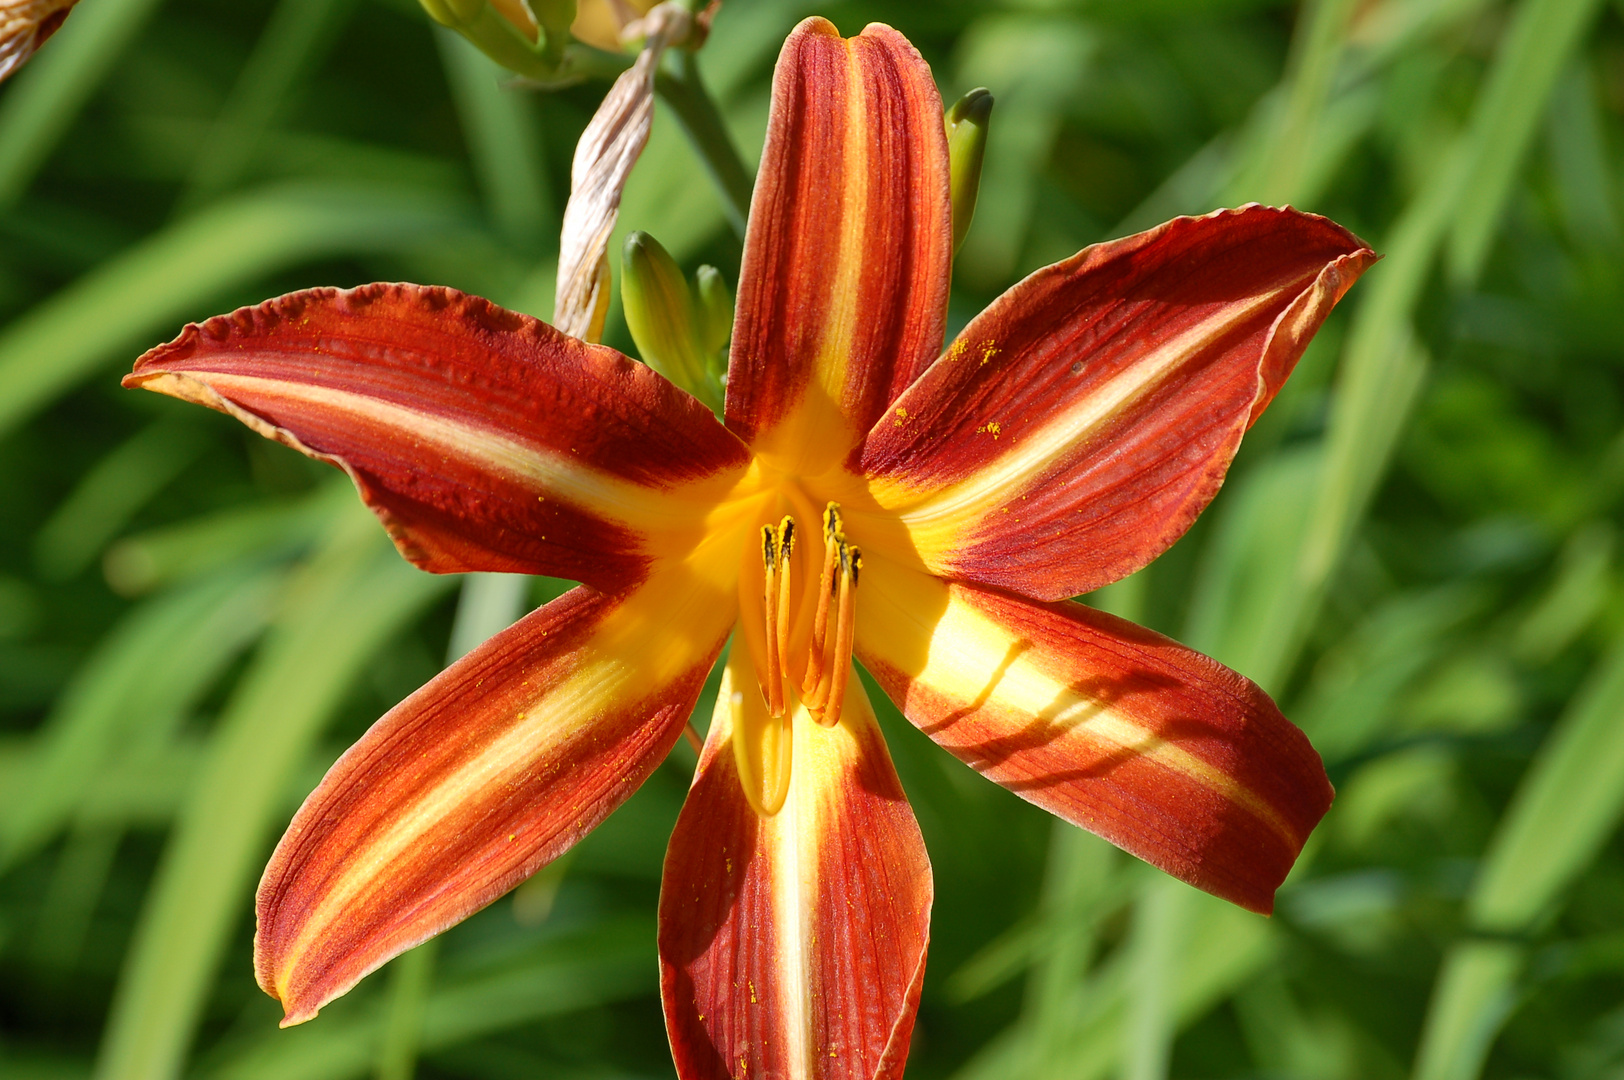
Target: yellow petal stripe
point(488, 772)
point(1117, 729)
point(1077, 426)
point(794, 945)
point(843, 286)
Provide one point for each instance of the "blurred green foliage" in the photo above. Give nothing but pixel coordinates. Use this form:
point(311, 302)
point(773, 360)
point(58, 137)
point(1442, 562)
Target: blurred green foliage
point(1416, 553)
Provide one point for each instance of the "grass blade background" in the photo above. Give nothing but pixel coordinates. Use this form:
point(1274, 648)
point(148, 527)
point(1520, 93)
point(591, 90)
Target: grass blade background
point(108, 495)
point(151, 669)
point(500, 127)
point(175, 274)
point(351, 598)
point(1415, 551)
point(1563, 811)
point(1383, 365)
point(299, 32)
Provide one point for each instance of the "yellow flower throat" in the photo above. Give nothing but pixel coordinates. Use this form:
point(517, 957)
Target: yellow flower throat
point(798, 608)
point(825, 660)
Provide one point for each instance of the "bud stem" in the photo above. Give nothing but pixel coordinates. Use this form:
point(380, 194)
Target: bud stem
point(680, 85)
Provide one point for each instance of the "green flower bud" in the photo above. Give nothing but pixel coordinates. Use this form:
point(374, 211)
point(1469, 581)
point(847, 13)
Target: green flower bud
point(966, 141)
point(524, 36)
point(453, 13)
point(664, 320)
point(716, 311)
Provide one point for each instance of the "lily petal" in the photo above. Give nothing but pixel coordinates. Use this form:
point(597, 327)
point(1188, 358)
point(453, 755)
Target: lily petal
point(484, 439)
point(843, 288)
point(488, 772)
point(1076, 427)
point(794, 945)
point(1160, 750)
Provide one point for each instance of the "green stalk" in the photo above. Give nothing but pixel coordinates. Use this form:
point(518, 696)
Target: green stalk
point(680, 85)
point(678, 82)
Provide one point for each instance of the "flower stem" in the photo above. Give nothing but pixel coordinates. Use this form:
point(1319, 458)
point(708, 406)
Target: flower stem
point(679, 83)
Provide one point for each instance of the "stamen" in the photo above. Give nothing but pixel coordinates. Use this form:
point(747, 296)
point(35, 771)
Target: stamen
point(777, 546)
point(786, 585)
point(771, 673)
point(823, 690)
point(833, 538)
point(851, 563)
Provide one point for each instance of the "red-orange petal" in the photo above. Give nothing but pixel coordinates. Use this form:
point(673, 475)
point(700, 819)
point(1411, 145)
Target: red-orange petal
point(794, 945)
point(491, 770)
point(484, 439)
point(1078, 426)
point(843, 289)
point(1160, 750)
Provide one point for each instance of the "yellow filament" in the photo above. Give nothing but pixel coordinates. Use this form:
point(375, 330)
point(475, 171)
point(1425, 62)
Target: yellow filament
point(851, 561)
point(823, 689)
point(786, 585)
point(826, 588)
point(771, 673)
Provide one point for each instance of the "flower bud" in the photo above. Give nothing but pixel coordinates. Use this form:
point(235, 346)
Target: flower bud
point(966, 140)
point(519, 14)
point(599, 23)
point(524, 36)
point(715, 309)
point(664, 320)
point(454, 13)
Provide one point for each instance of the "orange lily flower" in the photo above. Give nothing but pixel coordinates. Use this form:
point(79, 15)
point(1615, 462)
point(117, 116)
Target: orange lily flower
point(868, 494)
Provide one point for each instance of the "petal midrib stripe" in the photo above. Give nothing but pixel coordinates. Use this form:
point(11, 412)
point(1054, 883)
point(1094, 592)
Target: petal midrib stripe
point(1035, 451)
point(559, 477)
point(510, 755)
point(1026, 688)
point(840, 324)
point(616, 670)
point(790, 880)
